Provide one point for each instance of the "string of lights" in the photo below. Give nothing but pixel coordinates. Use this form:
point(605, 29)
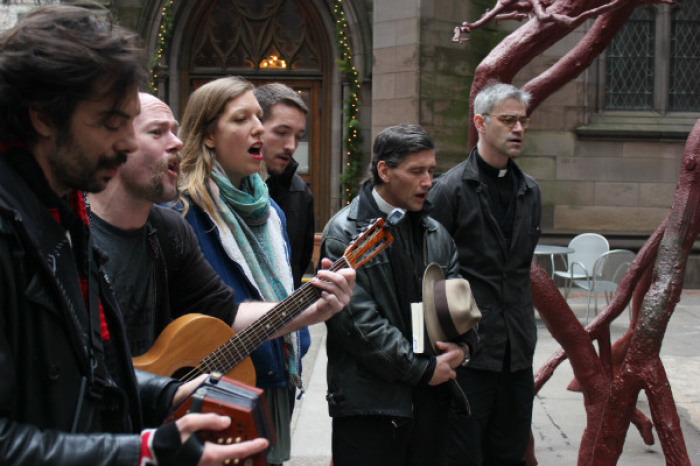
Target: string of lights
point(349, 179)
point(164, 33)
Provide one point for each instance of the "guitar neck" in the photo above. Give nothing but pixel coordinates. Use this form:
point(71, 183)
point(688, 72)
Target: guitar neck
point(243, 343)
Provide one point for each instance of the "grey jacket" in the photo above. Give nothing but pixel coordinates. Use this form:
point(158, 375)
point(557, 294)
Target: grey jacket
point(499, 276)
point(371, 365)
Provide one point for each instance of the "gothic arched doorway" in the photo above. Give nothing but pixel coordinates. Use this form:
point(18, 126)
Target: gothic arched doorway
point(265, 41)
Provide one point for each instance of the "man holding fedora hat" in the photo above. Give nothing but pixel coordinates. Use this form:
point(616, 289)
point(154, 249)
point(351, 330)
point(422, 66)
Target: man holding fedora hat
point(389, 403)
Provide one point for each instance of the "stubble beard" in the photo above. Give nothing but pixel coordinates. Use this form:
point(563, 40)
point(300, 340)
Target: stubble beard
point(74, 169)
point(156, 191)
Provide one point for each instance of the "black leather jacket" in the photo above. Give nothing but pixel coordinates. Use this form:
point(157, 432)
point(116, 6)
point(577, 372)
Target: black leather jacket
point(499, 276)
point(371, 365)
point(47, 387)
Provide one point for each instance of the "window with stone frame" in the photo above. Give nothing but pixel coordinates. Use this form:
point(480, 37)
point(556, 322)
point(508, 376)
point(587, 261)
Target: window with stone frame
point(652, 64)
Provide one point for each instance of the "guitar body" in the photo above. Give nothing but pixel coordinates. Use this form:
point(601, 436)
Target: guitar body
point(195, 343)
point(185, 342)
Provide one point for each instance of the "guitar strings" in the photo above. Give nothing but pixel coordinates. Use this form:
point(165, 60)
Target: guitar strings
point(230, 354)
point(243, 343)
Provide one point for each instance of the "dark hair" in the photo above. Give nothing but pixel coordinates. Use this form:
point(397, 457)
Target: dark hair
point(393, 144)
point(272, 94)
point(57, 56)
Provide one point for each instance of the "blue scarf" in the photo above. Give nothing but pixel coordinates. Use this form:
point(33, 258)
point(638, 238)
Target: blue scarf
point(247, 214)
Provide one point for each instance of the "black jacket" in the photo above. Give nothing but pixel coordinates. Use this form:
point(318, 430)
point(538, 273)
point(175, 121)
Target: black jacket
point(184, 282)
point(499, 276)
point(371, 365)
point(294, 197)
point(47, 387)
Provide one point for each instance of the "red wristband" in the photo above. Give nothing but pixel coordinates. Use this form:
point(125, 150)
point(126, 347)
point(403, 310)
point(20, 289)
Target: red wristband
point(147, 457)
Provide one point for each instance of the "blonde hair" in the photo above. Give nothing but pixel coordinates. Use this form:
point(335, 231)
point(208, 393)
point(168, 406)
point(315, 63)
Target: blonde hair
point(204, 107)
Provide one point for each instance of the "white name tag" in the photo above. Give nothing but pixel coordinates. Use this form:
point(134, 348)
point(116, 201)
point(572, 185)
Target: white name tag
point(418, 325)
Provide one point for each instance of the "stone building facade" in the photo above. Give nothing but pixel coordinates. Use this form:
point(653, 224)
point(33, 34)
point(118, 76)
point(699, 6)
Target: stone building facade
point(604, 168)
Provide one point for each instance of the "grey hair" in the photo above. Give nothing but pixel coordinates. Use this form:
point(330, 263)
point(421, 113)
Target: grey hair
point(272, 94)
point(495, 93)
point(393, 144)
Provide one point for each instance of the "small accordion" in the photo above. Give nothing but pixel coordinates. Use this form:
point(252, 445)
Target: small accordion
point(243, 403)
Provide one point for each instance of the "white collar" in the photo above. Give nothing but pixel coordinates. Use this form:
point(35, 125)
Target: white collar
point(384, 206)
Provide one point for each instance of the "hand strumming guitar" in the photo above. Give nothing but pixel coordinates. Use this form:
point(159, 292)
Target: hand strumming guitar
point(336, 290)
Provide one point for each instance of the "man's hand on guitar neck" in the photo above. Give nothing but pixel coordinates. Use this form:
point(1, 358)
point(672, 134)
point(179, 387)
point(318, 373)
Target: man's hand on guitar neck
point(336, 291)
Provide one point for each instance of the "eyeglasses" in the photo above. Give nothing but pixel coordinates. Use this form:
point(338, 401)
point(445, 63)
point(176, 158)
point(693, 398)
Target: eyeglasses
point(511, 120)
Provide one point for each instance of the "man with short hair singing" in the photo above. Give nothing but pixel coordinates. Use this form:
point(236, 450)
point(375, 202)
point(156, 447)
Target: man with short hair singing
point(390, 404)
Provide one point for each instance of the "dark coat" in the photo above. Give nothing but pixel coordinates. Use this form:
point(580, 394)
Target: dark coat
point(499, 276)
point(294, 197)
point(372, 368)
point(46, 355)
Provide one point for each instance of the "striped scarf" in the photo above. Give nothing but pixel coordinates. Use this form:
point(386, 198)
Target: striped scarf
point(254, 239)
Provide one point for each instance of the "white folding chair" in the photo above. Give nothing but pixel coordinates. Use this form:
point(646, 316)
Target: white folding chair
point(608, 270)
point(588, 247)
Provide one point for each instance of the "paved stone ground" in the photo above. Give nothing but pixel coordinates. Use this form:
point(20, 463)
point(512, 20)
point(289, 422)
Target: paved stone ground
point(559, 414)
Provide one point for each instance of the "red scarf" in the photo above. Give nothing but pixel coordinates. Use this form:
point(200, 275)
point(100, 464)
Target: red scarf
point(77, 204)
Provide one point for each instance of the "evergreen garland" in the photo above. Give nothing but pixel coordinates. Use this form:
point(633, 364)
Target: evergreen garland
point(349, 179)
point(164, 33)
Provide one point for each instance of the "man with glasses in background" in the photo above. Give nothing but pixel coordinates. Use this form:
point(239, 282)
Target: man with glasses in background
point(492, 210)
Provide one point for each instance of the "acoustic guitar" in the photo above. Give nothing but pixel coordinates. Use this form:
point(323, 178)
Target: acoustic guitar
point(195, 344)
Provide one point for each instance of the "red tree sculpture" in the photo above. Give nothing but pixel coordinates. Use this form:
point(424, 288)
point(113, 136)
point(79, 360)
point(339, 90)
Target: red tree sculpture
point(610, 381)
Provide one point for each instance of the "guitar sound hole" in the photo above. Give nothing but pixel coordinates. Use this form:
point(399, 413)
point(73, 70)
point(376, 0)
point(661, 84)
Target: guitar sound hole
point(185, 374)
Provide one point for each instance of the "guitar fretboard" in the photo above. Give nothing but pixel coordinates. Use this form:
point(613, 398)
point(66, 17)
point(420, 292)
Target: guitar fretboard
point(228, 355)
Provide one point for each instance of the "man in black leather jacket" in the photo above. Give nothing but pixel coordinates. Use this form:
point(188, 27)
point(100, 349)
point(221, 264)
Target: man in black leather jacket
point(492, 210)
point(68, 392)
point(390, 405)
point(284, 119)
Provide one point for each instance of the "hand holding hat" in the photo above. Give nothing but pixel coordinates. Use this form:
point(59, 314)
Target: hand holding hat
point(448, 305)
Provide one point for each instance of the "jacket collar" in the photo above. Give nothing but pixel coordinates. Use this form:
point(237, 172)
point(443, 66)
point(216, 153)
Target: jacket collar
point(363, 209)
point(285, 179)
point(40, 229)
point(471, 172)
point(17, 197)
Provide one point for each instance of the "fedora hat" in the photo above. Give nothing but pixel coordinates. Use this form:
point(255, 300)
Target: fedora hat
point(448, 306)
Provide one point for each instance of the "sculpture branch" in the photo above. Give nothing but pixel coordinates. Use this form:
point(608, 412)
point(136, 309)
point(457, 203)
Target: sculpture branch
point(642, 367)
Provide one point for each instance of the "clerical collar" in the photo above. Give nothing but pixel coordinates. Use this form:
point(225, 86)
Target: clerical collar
point(384, 206)
point(490, 170)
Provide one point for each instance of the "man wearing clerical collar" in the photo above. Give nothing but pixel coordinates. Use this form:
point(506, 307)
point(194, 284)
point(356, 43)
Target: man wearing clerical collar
point(492, 210)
